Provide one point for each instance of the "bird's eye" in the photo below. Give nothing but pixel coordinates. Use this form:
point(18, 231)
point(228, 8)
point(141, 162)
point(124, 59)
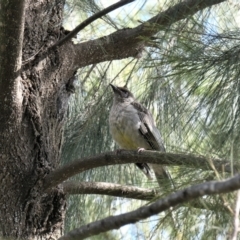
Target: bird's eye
point(125, 94)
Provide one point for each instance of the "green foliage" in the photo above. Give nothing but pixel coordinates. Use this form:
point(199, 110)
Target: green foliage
point(189, 78)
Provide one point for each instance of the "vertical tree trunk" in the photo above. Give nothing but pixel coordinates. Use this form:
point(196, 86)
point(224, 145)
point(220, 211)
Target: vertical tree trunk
point(33, 105)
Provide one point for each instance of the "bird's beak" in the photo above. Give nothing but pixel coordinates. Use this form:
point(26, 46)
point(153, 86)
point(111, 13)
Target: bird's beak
point(114, 88)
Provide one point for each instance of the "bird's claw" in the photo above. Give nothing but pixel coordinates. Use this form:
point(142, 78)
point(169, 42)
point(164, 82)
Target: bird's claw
point(141, 150)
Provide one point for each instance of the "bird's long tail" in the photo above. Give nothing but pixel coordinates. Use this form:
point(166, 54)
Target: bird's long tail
point(144, 167)
point(162, 174)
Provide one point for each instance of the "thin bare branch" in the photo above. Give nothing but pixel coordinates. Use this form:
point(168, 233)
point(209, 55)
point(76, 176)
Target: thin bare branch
point(174, 199)
point(127, 42)
point(113, 158)
point(132, 192)
point(91, 19)
point(110, 189)
point(130, 42)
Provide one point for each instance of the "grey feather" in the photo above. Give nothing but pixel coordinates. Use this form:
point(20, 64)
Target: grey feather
point(132, 126)
point(151, 134)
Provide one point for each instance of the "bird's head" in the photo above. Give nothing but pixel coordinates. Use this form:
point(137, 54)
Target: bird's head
point(122, 94)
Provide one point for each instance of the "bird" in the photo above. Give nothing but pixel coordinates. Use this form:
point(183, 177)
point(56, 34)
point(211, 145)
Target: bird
point(133, 128)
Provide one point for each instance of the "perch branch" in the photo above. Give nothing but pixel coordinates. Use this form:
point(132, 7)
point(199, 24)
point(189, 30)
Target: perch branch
point(113, 158)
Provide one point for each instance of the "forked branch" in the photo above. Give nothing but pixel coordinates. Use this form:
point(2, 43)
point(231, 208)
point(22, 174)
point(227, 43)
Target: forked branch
point(89, 20)
point(130, 42)
point(174, 199)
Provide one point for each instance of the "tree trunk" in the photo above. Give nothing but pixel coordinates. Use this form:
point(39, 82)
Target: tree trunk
point(32, 127)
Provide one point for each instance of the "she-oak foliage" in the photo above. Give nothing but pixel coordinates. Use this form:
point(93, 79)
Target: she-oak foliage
point(181, 58)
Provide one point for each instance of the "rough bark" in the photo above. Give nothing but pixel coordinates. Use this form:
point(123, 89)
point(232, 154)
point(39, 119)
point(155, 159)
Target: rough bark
point(32, 106)
point(11, 39)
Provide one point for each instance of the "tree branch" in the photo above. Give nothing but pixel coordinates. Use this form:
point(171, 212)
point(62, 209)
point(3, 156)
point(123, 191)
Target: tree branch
point(113, 158)
point(145, 194)
point(174, 199)
point(110, 189)
point(130, 42)
point(89, 21)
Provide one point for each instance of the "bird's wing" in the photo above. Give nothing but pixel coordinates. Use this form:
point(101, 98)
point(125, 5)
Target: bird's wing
point(153, 137)
point(148, 129)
